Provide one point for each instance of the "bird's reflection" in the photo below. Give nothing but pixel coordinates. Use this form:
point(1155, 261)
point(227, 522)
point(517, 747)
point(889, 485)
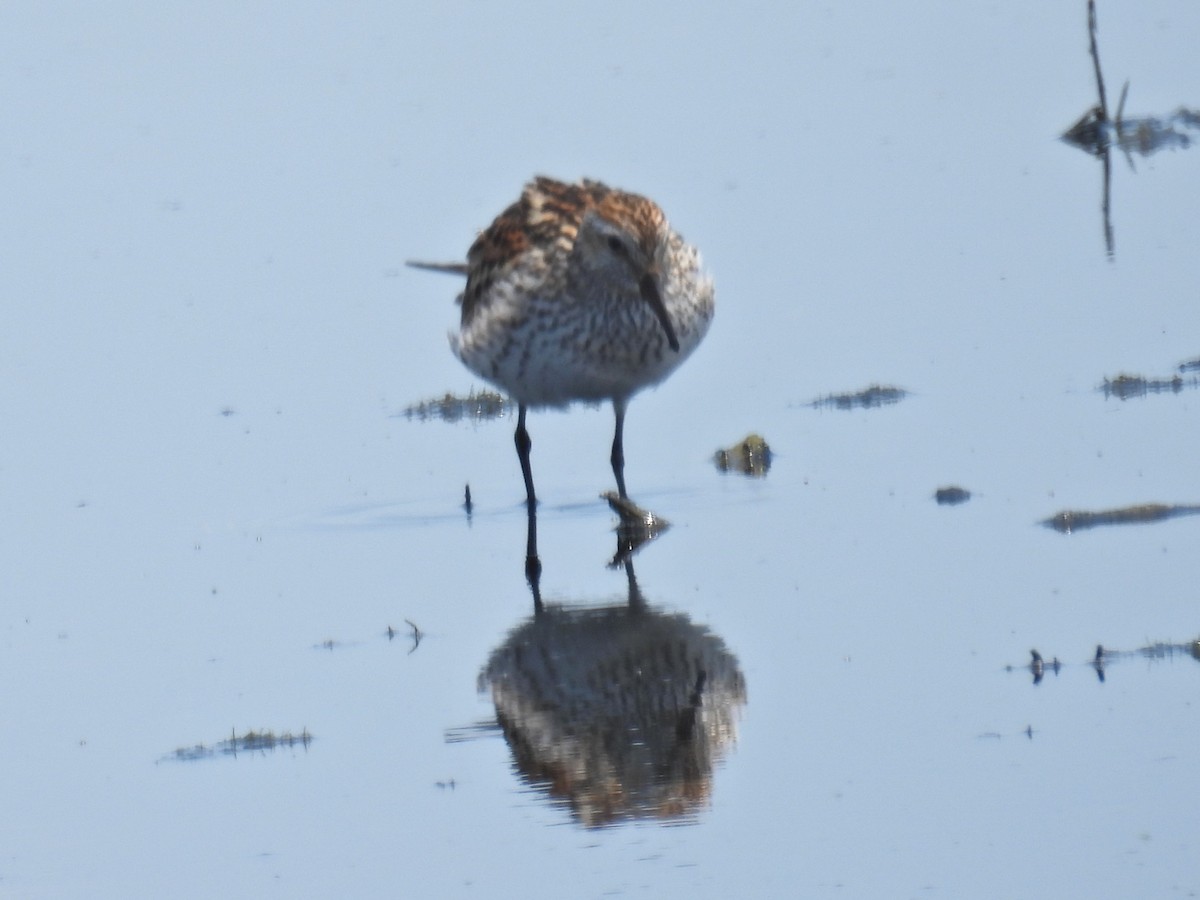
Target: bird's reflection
point(617, 712)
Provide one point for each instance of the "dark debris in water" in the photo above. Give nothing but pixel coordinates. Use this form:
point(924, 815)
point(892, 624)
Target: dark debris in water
point(1159, 650)
point(1096, 134)
point(1069, 521)
point(1038, 666)
point(1126, 387)
point(476, 406)
point(751, 457)
point(1100, 131)
point(261, 742)
point(951, 495)
point(869, 398)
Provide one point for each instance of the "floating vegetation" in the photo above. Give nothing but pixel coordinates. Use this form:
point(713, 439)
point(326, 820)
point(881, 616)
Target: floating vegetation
point(1038, 666)
point(1098, 132)
point(476, 406)
point(869, 398)
point(251, 742)
point(332, 644)
point(1069, 521)
point(1125, 387)
point(1026, 732)
point(750, 457)
point(1143, 135)
point(1159, 650)
point(951, 496)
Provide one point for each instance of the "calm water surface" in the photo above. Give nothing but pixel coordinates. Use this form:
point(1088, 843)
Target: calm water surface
point(215, 509)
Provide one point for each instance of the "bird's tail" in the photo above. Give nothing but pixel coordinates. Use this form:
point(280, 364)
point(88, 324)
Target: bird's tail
point(452, 268)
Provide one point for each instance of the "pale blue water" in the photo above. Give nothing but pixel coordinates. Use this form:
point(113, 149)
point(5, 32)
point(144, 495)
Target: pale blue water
point(208, 213)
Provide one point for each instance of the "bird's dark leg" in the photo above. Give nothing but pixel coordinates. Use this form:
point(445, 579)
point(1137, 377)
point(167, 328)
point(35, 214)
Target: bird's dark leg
point(521, 439)
point(618, 449)
point(533, 565)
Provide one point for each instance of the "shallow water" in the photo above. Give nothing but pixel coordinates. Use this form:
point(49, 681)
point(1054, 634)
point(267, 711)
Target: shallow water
point(216, 508)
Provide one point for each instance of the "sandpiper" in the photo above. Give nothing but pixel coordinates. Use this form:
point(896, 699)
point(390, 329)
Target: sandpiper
point(578, 292)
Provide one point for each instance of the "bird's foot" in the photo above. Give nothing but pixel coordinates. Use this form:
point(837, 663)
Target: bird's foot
point(636, 526)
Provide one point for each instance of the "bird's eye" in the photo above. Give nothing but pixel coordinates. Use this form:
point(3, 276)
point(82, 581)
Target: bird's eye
point(615, 245)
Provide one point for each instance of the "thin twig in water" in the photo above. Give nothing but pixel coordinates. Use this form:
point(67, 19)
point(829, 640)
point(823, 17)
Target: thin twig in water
point(1096, 60)
point(417, 634)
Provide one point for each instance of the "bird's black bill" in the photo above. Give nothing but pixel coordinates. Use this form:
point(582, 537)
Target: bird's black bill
point(649, 288)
